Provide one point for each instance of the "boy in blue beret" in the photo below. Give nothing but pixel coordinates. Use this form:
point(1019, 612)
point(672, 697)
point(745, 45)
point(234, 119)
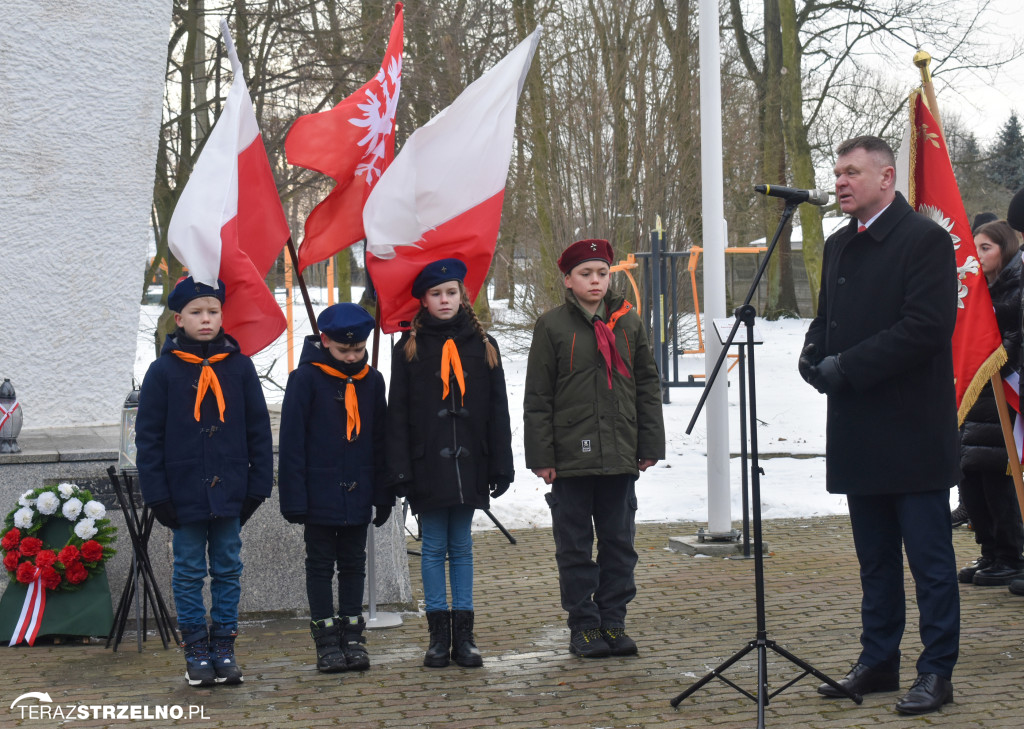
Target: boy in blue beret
point(330, 457)
point(205, 461)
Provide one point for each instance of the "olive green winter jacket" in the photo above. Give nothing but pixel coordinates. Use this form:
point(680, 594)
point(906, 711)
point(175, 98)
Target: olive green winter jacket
point(573, 422)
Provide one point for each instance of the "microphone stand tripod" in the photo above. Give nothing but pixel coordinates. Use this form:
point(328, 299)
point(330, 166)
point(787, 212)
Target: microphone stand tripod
point(745, 315)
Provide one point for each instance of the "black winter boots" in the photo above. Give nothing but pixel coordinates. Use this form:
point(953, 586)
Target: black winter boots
point(222, 646)
point(327, 635)
point(464, 650)
point(440, 625)
point(352, 643)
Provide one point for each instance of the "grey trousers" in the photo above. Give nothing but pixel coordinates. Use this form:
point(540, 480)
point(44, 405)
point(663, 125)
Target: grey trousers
point(595, 592)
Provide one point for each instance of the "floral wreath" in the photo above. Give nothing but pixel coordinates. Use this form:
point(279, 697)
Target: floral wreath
point(66, 567)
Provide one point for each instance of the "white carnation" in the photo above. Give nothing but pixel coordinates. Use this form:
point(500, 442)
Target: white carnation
point(67, 490)
point(86, 529)
point(23, 517)
point(72, 508)
point(48, 503)
point(26, 499)
point(95, 510)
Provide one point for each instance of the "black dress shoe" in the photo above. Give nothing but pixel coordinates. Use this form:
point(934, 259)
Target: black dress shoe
point(966, 574)
point(929, 693)
point(863, 680)
point(998, 574)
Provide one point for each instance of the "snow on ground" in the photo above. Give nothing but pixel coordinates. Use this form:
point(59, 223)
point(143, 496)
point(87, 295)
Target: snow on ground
point(791, 433)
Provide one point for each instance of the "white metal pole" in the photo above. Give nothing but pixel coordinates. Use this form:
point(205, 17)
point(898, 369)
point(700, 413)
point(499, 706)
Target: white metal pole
point(373, 618)
point(713, 213)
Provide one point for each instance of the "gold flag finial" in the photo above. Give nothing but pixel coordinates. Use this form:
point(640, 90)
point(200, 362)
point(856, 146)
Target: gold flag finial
point(657, 226)
point(923, 60)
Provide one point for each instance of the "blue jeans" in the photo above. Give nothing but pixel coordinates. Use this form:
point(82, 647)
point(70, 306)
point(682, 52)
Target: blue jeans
point(221, 539)
point(447, 534)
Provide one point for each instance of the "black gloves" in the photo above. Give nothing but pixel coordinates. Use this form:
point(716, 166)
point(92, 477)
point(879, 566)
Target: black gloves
point(809, 357)
point(166, 514)
point(827, 377)
point(383, 514)
point(295, 518)
point(249, 507)
point(499, 486)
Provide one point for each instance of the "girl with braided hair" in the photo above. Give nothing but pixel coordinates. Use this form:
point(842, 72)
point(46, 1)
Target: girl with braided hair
point(449, 446)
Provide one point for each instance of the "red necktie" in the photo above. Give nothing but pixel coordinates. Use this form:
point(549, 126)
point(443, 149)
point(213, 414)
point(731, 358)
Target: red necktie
point(861, 228)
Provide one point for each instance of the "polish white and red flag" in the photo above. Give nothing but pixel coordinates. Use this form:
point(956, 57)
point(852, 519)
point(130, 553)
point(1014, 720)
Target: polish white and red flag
point(353, 143)
point(1011, 386)
point(442, 195)
point(229, 223)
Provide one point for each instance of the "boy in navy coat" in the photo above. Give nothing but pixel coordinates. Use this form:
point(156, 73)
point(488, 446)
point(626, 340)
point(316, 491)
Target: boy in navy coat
point(205, 461)
point(330, 457)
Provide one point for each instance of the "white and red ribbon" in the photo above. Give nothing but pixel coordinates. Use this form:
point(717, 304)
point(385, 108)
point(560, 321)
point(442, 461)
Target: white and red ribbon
point(31, 618)
point(7, 413)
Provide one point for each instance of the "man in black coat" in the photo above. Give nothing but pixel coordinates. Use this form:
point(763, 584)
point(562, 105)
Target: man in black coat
point(880, 349)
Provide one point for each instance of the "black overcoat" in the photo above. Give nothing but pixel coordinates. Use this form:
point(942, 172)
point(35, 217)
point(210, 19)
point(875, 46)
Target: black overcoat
point(424, 430)
point(888, 305)
point(321, 474)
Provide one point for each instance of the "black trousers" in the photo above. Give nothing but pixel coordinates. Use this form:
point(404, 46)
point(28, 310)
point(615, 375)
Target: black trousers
point(327, 548)
point(883, 526)
point(595, 592)
point(991, 502)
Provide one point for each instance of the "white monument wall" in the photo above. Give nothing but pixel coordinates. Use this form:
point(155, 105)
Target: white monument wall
point(81, 87)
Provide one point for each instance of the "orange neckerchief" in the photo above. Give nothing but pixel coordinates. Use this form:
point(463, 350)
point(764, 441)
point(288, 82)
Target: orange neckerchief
point(351, 401)
point(450, 361)
point(207, 378)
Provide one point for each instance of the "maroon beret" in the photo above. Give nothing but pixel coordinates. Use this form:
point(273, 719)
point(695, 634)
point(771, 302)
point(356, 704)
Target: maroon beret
point(591, 249)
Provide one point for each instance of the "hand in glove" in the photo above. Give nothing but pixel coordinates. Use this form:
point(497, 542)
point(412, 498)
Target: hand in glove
point(808, 359)
point(382, 515)
point(828, 377)
point(166, 514)
point(295, 518)
point(499, 486)
point(249, 507)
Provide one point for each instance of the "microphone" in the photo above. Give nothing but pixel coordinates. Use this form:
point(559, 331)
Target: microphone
point(792, 194)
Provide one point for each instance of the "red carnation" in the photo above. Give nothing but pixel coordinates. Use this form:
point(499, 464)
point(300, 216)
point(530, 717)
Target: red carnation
point(26, 572)
point(51, 578)
point(76, 573)
point(11, 539)
point(45, 558)
point(68, 556)
point(11, 560)
point(92, 551)
point(30, 546)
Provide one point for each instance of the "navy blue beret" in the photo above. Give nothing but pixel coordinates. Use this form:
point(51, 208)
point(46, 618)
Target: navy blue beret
point(187, 289)
point(345, 323)
point(447, 269)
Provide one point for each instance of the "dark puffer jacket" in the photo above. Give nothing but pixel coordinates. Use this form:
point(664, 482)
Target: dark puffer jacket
point(572, 421)
point(205, 468)
point(321, 474)
point(424, 429)
point(981, 437)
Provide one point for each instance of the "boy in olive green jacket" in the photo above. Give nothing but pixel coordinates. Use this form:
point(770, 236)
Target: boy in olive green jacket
point(593, 421)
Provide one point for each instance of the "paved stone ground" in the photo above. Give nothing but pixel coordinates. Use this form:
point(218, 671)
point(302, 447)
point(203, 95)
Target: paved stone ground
point(690, 614)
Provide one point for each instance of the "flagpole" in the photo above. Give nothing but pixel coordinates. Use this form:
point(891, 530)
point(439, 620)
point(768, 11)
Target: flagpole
point(1011, 446)
point(302, 286)
point(923, 59)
